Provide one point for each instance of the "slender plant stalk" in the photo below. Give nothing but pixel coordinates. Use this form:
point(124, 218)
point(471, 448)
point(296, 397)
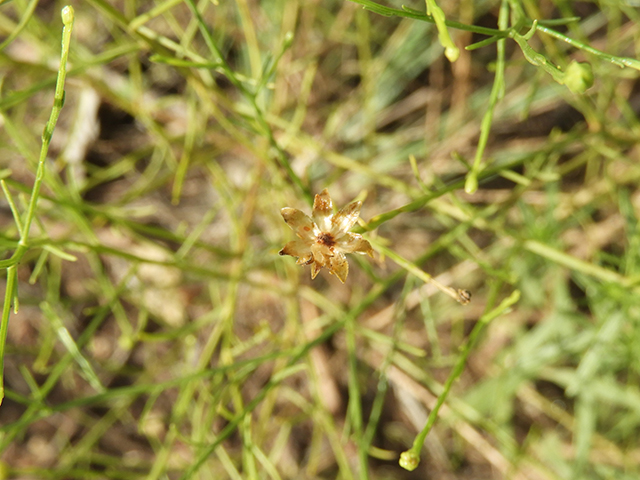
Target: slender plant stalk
point(411, 458)
point(4, 326)
point(619, 61)
point(497, 92)
point(461, 296)
point(355, 405)
point(450, 50)
point(23, 245)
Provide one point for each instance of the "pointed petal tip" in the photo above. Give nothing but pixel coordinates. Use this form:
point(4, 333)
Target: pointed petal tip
point(367, 248)
point(299, 222)
point(296, 248)
point(288, 213)
point(322, 203)
point(315, 269)
point(339, 266)
point(354, 243)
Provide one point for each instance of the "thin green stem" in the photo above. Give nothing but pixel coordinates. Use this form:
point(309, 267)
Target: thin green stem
point(355, 406)
point(450, 50)
point(619, 61)
point(411, 458)
point(461, 296)
point(12, 206)
point(4, 326)
point(497, 92)
point(576, 264)
point(58, 102)
point(417, 204)
point(11, 263)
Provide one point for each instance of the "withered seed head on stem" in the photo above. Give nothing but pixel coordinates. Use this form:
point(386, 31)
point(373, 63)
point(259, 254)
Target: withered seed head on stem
point(324, 238)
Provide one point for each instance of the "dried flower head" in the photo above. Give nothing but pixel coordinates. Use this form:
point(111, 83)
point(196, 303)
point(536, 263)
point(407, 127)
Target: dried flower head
point(325, 238)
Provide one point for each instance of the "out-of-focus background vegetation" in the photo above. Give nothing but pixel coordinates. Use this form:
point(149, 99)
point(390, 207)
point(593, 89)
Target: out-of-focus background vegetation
point(178, 344)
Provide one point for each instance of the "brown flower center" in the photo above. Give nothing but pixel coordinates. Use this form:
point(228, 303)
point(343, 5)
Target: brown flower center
point(326, 239)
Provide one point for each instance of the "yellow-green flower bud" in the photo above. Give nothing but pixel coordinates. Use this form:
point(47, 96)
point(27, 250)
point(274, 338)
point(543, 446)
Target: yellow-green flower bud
point(452, 53)
point(471, 183)
point(578, 77)
point(409, 460)
point(67, 14)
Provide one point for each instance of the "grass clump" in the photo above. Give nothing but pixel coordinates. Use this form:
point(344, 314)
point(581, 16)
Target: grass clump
point(151, 330)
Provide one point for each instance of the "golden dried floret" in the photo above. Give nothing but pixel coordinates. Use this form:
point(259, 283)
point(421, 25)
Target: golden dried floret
point(324, 238)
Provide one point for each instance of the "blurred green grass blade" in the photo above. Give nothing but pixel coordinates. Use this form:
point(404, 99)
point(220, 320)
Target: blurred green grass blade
point(58, 252)
point(181, 62)
point(592, 360)
point(40, 263)
point(26, 16)
point(12, 205)
point(72, 347)
point(574, 263)
point(156, 11)
point(555, 22)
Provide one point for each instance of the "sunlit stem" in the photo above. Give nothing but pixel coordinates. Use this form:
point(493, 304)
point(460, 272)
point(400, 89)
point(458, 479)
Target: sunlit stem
point(11, 263)
point(497, 92)
point(450, 50)
point(459, 295)
point(411, 458)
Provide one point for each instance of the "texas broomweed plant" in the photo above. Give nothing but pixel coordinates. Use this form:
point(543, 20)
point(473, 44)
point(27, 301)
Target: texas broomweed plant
point(324, 238)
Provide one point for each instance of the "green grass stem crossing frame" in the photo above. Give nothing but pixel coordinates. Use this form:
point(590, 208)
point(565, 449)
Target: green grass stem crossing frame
point(11, 264)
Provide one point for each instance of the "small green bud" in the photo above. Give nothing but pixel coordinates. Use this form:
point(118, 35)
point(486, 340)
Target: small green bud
point(409, 460)
point(471, 183)
point(288, 39)
point(578, 77)
point(67, 15)
point(452, 53)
